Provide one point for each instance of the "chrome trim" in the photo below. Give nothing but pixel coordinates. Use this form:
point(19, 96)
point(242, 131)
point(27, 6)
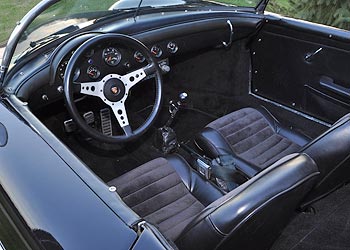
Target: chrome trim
point(227, 45)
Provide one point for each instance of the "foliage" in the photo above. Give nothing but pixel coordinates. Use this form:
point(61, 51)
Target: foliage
point(330, 12)
point(243, 3)
point(334, 13)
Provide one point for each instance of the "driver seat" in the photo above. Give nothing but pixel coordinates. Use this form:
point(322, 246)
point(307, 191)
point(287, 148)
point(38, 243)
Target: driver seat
point(192, 212)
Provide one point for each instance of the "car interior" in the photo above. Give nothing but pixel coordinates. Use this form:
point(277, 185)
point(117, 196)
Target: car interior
point(230, 128)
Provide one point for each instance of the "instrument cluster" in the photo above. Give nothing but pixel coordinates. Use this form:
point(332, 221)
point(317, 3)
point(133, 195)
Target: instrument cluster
point(98, 62)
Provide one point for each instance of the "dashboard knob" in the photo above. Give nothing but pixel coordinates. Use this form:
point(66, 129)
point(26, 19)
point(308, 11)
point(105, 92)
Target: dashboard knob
point(60, 89)
point(172, 47)
point(165, 68)
point(45, 97)
point(183, 96)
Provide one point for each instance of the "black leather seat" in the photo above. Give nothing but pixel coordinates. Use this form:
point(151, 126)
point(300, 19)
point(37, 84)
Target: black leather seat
point(194, 214)
point(257, 140)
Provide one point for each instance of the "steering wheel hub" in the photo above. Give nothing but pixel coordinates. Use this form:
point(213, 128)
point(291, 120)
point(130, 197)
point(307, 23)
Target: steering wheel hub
point(114, 90)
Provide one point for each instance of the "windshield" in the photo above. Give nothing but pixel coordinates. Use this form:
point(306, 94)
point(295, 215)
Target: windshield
point(66, 16)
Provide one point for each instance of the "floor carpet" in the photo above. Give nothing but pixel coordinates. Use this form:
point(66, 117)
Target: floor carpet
point(326, 228)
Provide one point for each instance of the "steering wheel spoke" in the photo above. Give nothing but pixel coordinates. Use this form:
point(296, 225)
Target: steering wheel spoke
point(127, 130)
point(119, 111)
point(132, 78)
point(91, 88)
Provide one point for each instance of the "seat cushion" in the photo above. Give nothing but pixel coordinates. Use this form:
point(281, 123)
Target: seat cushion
point(156, 192)
point(250, 136)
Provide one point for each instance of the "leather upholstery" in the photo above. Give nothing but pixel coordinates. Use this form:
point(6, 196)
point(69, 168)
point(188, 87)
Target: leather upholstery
point(254, 213)
point(203, 190)
point(331, 150)
point(259, 208)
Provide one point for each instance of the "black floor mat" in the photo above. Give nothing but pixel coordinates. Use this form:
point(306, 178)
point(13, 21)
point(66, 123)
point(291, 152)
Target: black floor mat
point(327, 229)
point(109, 162)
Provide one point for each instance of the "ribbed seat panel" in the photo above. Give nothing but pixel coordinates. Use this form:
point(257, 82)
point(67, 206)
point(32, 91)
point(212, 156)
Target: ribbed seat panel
point(155, 192)
point(252, 138)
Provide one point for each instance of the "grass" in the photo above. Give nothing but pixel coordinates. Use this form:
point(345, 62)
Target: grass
point(10, 13)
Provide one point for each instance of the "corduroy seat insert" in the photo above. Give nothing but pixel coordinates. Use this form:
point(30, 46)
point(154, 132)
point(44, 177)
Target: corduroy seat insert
point(251, 137)
point(155, 192)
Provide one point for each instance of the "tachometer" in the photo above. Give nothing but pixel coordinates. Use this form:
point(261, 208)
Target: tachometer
point(111, 56)
point(93, 72)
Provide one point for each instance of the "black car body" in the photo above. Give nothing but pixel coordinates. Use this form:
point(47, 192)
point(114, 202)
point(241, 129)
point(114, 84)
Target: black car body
point(53, 175)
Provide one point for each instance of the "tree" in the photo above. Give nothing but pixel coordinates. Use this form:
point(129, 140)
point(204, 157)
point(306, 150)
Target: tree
point(334, 13)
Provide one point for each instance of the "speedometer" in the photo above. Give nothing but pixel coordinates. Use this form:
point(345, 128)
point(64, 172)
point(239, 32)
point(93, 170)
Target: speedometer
point(111, 56)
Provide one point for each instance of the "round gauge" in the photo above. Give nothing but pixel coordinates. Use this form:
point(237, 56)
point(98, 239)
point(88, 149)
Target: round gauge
point(139, 57)
point(172, 47)
point(93, 72)
point(111, 56)
point(62, 69)
point(156, 51)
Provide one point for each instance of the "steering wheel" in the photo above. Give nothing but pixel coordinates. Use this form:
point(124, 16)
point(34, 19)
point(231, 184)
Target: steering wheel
point(113, 89)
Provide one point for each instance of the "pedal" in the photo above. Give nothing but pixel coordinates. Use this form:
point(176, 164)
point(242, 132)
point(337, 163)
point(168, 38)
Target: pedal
point(106, 123)
point(89, 117)
point(69, 126)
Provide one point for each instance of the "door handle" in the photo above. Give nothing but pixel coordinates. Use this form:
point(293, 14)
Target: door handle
point(228, 44)
point(309, 56)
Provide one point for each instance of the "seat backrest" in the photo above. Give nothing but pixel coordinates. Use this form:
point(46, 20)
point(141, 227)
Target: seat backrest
point(254, 213)
point(331, 152)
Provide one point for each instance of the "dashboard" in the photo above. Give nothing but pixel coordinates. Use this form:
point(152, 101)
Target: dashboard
point(171, 37)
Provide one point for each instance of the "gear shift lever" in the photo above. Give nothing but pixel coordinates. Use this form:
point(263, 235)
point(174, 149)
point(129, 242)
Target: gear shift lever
point(174, 107)
point(166, 136)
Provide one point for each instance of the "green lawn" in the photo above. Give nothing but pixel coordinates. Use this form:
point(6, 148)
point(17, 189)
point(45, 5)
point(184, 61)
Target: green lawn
point(10, 13)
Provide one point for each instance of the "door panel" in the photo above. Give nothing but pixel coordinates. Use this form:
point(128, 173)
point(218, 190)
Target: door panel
point(303, 66)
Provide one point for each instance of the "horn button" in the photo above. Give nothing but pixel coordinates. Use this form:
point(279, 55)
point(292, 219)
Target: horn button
point(114, 90)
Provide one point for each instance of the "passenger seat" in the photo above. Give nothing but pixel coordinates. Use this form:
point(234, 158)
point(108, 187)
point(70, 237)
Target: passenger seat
point(256, 140)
